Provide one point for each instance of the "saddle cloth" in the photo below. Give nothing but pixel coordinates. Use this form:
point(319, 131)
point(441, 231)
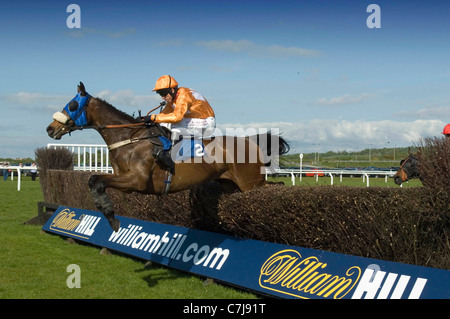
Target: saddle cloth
point(188, 148)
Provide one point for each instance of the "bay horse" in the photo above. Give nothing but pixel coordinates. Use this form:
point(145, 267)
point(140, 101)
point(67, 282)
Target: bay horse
point(131, 142)
point(408, 169)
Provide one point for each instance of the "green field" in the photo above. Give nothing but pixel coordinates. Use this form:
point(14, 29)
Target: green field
point(376, 157)
point(34, 264)
point(346, 181)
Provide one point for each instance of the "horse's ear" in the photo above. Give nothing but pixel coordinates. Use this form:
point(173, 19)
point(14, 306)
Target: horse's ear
point(409, 151)
point(81, 89)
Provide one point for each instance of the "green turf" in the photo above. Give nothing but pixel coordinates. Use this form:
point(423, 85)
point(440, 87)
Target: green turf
point(346, 181)
point(34, 264)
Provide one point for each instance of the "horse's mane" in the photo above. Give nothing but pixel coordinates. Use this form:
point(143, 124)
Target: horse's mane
point(118, 112)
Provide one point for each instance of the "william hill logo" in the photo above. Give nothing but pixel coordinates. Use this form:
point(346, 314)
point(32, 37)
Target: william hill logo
point(67, 222)
point(288, 273)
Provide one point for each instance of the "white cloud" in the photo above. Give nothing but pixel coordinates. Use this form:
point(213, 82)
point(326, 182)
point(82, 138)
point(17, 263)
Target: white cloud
point(128, 98)
point(256, 49)
point(278, 50)
point(305, 136)
point(228, 45)
point(28, 98)
point(33, 103)
point(336, 135)
point(57, 102)
point(428, 112)
point(344, 99)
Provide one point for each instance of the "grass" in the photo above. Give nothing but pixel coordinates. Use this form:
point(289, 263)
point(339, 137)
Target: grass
point(34, 264)
point(347, 181)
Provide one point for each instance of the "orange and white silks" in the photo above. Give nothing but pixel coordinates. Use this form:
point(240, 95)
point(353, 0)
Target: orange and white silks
point(190, 110)
point(187, 104)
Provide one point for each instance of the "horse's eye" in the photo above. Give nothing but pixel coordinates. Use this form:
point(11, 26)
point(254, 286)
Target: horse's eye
point(73, 105)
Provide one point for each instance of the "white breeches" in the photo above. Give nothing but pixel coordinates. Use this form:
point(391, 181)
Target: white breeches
point(192, 127)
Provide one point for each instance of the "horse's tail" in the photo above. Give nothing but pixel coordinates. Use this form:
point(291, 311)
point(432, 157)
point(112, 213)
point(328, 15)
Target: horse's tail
point(284, 146)
point(265, 144)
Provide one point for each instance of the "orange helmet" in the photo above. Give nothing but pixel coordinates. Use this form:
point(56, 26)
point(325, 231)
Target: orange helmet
point(165, 82)
point(446, 129)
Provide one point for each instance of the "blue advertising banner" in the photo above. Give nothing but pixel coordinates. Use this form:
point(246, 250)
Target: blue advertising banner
point(267, 268)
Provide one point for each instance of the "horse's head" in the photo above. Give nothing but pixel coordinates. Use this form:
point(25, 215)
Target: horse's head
point(408, 169)
point(72, 117)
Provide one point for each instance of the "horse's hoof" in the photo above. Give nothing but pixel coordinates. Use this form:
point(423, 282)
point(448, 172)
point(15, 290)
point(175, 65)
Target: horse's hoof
point(114, 223)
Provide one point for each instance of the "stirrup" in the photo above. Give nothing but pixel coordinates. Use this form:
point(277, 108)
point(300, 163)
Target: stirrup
point(167, 181)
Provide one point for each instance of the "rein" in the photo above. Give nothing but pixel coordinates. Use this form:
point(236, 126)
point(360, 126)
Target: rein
point(130, 125)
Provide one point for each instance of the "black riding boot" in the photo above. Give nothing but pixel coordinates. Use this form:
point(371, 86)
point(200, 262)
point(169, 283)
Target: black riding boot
point(163, 158)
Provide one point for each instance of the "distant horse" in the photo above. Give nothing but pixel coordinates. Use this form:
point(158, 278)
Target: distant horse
point(408, 169)
point(131, 143)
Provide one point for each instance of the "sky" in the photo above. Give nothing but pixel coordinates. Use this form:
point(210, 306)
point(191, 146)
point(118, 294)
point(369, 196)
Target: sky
point(312, 69)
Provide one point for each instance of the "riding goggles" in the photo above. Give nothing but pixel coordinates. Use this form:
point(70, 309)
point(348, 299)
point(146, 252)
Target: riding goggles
point(163, 92)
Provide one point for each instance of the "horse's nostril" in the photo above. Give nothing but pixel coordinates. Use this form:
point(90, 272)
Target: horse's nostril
point(50, 130)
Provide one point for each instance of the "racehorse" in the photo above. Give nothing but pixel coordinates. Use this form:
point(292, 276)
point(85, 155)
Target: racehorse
point(408, 169)
point(131, 141)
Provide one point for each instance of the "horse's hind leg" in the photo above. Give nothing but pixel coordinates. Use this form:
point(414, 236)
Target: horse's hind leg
point(244, 178)
point(228, 185)
point(102, 201)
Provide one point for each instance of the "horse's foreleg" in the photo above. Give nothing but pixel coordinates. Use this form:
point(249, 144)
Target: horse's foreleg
point(101, 199)
point(127, 182)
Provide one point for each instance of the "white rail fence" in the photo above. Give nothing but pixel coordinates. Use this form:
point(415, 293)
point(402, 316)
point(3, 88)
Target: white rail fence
point(331, 173)
point(19, 170)
point(89, 157)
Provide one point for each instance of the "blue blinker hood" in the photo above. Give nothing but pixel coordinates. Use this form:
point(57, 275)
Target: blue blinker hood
point(79, 114)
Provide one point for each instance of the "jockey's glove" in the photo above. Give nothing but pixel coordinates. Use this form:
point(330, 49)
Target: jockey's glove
point(146, 119)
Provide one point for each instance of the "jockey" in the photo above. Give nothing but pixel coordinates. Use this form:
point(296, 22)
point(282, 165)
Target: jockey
point(446, 131)
point(186, 113)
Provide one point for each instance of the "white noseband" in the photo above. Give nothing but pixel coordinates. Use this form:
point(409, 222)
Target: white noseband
point(60, 117)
